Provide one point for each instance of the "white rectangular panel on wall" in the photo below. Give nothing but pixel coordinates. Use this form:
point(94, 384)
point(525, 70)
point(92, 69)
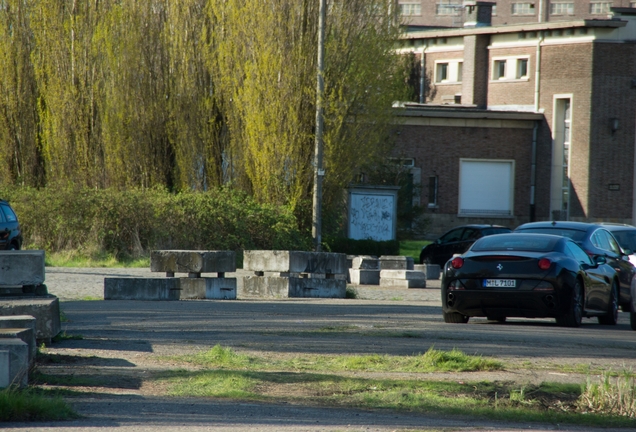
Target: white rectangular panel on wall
point(373, 214)
point(486, 187)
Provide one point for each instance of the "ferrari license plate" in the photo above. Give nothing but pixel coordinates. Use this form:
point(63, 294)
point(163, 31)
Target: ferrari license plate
point(500, 283)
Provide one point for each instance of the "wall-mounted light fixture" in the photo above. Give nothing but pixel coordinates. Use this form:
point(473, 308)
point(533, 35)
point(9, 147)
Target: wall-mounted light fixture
point(614, 125)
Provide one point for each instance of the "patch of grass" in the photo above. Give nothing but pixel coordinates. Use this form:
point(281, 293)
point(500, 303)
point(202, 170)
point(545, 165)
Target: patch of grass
point(351, 293)
point(431, 361)
point(412, 248)
point(70, 380)
point(91, 298)
point(502, 401)
point(76, 258)
point(613, 395)
point(396, 299)
point(31, 405)
point(330, 329)
point(63, 317)
point(63, 336)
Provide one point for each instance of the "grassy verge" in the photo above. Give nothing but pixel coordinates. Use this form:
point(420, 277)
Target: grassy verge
point(33, 405)
point(412, 248)
point(75, 259)
point(324, 380)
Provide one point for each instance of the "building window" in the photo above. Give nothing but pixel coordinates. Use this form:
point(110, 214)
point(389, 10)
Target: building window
point(561, 8)
point(432, 191)
point(598, 8)
point(632, 4)
point(522, 68)
point(500, 69)
point(448, 71)
point(523, 8)
point(510, 69)
point(486, 187)
point(410, 9)
point(447, 9)
point(560, 189)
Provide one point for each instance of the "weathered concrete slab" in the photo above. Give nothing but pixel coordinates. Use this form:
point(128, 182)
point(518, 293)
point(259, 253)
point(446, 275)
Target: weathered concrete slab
point(141, 288)
point(22, 321)
point(46, 311)
point(26, 335)
point(282, 287)
point(432, 271)
point(295, 262)
point(402, 274)
point(394, 262)
point(365, 262)
point(403, 283)
point(208, 288)
point(364, 277)
point(186, 261)
point(18, 361)
point(24, 267)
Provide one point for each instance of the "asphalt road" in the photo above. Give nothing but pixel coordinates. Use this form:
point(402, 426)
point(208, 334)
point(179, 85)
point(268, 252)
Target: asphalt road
point(120, 334)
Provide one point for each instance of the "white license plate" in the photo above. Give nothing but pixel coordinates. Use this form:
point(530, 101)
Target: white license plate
point(500, 283)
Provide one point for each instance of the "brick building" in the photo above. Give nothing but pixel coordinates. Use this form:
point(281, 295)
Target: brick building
point(524, 122)
point(450, 13)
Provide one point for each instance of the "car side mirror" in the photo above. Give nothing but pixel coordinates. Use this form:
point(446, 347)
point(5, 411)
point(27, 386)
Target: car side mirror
point(438, 241)
point(599, 259)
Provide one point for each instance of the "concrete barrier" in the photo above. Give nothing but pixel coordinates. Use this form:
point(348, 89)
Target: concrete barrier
point(403, 278)
point(295, 262)
point(141, 289)
point(208, 288)
point(282, 287)
point(392, 262)
point(26, 335)
point(192, 262)
point(432, 271)
point(14, 363)
point(45, 310)
point(24, 267)
point(22, 322)
point(364, 277)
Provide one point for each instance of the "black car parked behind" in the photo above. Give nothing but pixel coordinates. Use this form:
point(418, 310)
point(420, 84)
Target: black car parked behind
point(10, 233)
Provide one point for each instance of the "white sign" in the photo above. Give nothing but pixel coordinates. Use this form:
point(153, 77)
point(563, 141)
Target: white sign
point(372, 215)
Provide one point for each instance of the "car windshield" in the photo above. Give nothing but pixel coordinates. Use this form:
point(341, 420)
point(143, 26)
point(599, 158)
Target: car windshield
point(527, 243)
point(627, 239)
point(574, 234)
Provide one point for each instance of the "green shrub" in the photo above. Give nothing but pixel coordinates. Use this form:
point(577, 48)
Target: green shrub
point(363, 247)
point(131, 223)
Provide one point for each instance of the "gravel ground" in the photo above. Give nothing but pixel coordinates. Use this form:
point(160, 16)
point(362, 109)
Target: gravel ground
point(121, 341)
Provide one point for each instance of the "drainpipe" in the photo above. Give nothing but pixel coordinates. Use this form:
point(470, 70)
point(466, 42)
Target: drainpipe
point(537, 74)
point(423, 71)
point(533, 171)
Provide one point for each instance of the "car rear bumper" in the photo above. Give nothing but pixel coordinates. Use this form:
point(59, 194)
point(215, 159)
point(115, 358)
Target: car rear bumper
point(498, 303)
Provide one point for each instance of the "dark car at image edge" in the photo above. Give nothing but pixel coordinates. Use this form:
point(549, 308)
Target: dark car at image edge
point(529, 276)
point(10, 232)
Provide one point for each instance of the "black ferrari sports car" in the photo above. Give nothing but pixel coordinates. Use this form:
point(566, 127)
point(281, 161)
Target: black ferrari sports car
point(529, 276)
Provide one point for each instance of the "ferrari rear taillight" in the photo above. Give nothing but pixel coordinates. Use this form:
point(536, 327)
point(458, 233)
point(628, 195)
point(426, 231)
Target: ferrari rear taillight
point(455, 285)
point(457, 262)
point(544, 263)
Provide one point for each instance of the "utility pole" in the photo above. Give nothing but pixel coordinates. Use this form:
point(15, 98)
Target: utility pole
point(316, 229)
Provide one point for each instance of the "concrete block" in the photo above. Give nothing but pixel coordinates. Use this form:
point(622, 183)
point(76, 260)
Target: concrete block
point(432, 271)
point(22, 321)
point(391, 262)
point(24, 267)
point(402, 274)
point(185, 261)
point(281, 287)
point(364, 277)
point(403, 283)
point(208, 288)
point(45, 310)
point(295, 262)
point(26, 335)
point(141, 288)
point(221, 289)
point(18, 361)
point(365, 263)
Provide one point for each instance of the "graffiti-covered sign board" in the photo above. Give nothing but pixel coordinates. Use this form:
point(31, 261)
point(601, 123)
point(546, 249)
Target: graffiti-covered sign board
point(373, 212)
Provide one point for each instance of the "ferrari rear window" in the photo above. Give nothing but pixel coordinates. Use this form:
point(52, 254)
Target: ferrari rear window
point(529, 243)
point(575, 235)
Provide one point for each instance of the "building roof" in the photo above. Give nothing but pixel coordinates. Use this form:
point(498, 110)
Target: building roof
point(465, 112)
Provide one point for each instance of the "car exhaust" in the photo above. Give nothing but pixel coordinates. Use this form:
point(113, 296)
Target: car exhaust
point(450, 299)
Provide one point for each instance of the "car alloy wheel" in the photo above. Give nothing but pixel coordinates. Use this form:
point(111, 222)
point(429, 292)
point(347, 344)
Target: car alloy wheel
point(574, 312)
point(612, 309)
